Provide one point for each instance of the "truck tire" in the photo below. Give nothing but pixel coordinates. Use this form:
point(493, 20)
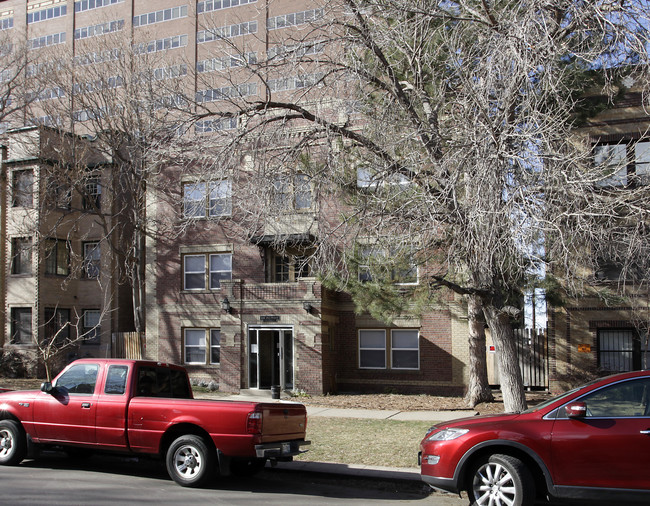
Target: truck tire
point(13, 443)
point(190, 461)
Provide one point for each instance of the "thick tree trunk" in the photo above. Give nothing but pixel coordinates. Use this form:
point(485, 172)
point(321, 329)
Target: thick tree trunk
point(512, 386)
point(478, 389)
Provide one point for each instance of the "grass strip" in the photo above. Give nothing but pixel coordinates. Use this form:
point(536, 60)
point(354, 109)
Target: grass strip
point(392, 443)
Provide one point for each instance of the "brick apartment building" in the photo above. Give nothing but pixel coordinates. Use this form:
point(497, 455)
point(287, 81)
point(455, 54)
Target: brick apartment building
point(235, 310)
point(59, 280)
point(587, 335)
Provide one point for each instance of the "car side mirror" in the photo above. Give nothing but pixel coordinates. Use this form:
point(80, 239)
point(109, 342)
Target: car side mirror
point(47, 387)
point(576, 410)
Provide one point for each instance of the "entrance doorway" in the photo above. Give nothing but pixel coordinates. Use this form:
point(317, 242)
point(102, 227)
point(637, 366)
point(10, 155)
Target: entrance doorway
point(270, 362)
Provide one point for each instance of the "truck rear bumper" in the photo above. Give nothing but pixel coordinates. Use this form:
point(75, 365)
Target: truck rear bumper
point(280, 450)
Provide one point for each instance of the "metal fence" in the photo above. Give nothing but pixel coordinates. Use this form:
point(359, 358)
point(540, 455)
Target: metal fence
point(532, 350)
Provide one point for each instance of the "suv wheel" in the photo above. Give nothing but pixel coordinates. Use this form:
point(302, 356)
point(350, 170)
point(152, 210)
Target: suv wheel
point(500, 480)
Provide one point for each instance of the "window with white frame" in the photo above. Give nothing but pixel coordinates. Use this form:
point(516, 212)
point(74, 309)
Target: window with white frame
point(372, 349)
point(403, 344)
point(206, 270)
point(91, 328)
point(197, 342)
point(194, 272)
point(405, 349)
point(220, 269)
point(215, 346)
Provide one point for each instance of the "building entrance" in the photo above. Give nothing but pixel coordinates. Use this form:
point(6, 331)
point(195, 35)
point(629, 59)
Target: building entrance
point(270, 352)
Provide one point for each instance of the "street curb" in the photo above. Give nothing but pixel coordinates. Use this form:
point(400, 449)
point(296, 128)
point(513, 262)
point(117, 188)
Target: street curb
point(353, 470)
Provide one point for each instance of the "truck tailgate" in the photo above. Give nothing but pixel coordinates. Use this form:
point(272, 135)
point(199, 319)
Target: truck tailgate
point(282, 421)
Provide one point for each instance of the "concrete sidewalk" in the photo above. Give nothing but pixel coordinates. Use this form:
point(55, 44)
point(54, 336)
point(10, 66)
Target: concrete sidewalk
point(383, 414)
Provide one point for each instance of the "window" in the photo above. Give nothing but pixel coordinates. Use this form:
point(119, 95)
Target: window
point(162, 382)
point(23, 188)
point(58, 195)
point(610, 158)
point(91, 326)
point(288, 268)
point(620, 400)
point(92, 260)
point(45, 14)
point(202, 199)
point(215, 346)
point(21, 255)
point(57, 257)
point(78, 379)
point(619, 350)
point(292, 192)
point(372, 349)
point(197, 344)
point(116, 380)
point(405, 349)
point(370, 179)
point(378, 264)
point(21, 325)
point(623, 164)
point(194, 272)
point(57, 325)
point(86, 5)
point(219, 268)
point(160, 16)
point(92, 198)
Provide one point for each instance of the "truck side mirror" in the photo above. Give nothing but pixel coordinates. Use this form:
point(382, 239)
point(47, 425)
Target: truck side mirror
point(47, 387)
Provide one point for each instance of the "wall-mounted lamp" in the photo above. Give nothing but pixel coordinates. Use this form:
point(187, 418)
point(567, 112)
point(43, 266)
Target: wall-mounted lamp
point(307, 306)
point(225, 305)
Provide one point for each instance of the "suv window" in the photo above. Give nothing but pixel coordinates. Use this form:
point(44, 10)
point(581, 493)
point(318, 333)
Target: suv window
point(625, 399)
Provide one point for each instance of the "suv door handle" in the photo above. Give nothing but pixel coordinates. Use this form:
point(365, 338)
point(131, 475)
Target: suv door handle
point(85, 405)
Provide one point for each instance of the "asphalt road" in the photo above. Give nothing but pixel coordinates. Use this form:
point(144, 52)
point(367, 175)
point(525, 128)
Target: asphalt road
point(55, 479)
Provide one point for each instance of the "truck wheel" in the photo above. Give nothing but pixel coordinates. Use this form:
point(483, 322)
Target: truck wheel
point(190, 461)
point(246, 467)
point(500, 480)
point(13, 443)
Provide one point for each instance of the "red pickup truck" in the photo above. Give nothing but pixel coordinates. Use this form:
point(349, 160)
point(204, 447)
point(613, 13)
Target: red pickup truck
point(147, 408)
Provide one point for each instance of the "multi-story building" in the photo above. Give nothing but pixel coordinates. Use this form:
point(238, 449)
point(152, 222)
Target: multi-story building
point(589, 336)
point(232, 309)
point(60, 286)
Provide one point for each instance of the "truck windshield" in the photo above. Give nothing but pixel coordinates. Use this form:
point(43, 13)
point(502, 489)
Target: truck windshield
point(162, 382)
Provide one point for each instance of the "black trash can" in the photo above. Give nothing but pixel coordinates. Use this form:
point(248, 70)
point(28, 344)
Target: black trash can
point(275, 392)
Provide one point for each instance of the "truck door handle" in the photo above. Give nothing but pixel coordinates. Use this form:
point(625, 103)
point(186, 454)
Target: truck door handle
point(645, 431)
point(85, 405)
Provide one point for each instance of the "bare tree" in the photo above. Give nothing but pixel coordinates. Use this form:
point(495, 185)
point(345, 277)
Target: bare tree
point(448, 131)
point(130, 103)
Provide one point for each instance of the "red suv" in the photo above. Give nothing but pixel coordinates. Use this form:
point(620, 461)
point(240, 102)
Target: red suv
point(592, 442)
